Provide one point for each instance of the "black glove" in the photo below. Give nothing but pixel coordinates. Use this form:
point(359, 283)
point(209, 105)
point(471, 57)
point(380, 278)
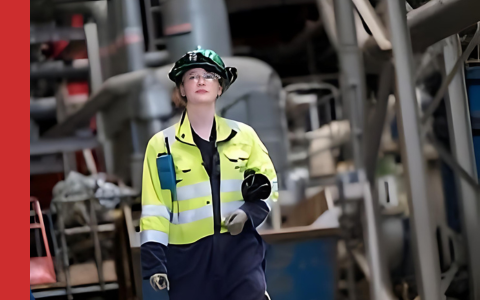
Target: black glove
point(255, 186)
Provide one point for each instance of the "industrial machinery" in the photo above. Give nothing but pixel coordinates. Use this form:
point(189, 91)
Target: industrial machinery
point(438, 269)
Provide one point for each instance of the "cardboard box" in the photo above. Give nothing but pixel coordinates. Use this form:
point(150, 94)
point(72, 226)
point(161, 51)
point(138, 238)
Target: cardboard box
point(307, 211)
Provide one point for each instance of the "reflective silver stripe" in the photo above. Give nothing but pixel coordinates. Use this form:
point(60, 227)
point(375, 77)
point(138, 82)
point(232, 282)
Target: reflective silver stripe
point(169, 133)
point(231, 185)
point(191, 191)
point(153, 236)
point(230, 207)
point(267, 296)
point(155, 211)
point(268, 204)
point(233, 125)
point(193, 215)
point(274, 185)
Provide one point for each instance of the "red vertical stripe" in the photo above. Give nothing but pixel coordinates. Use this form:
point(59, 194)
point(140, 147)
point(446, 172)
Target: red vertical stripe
point(15, 153)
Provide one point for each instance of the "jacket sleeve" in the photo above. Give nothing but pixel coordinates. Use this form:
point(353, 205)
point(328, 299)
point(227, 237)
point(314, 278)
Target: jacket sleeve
point(155, 219)
point(260, 161)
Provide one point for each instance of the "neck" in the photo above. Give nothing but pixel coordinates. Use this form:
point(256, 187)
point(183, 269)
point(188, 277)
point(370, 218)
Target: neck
point(201, 118)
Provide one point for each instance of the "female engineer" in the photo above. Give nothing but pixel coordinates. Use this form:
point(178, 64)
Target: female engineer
point(206, 182)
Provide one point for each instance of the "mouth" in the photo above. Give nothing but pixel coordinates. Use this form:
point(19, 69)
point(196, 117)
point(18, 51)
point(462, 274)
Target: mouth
point(201, 92)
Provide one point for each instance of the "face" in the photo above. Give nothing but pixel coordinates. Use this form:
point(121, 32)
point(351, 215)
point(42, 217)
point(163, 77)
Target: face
point(200, 90)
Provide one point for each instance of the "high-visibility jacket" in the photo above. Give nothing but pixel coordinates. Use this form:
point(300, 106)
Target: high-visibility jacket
point(191, 217)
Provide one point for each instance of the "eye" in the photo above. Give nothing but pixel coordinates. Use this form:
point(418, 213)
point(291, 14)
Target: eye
point(191, 77)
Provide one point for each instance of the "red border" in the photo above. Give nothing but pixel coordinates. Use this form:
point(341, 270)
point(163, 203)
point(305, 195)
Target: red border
point(15, 153)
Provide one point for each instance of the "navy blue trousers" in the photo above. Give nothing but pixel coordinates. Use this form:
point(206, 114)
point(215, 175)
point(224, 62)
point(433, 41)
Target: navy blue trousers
point(218, 267)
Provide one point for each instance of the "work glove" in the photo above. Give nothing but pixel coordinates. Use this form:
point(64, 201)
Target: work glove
point(159, 282)
point(255, 186)
point(236, 221)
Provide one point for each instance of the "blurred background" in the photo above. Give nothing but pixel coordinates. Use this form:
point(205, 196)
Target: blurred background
point(370, 110)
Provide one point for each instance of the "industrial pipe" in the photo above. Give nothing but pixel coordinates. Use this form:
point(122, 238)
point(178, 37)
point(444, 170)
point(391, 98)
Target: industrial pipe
point(111, 89)
point(434, 21)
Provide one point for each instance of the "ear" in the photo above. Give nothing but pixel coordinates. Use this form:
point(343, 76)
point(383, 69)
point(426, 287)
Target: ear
point(220, 90)
point(182, 90)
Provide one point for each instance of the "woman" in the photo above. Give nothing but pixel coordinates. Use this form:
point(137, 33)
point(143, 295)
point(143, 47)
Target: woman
point(199, 237)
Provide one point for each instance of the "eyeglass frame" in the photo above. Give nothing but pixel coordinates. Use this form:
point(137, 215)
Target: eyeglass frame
point(197, 76)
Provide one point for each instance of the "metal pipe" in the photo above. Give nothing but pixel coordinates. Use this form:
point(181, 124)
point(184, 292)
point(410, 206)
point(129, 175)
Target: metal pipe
point(380, 286)
point(156, 58)
point(438, 19)
point(133, 35)
point(54, 146)
point(373, 22)
point(352, 75)
point(434, 21)
point(321, 86)
point(425, 250)
point(96, 243)
point(376, 121)
point(93, 48)
point(111, 89)
point(54, 70)
point(150, 25)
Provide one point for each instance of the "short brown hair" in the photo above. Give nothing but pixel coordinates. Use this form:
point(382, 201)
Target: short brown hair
point(178, 99)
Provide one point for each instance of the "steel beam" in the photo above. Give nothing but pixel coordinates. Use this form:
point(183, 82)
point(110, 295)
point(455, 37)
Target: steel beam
point(424, 245)
point(451, 74)
point(461, 143)
point(376, 121)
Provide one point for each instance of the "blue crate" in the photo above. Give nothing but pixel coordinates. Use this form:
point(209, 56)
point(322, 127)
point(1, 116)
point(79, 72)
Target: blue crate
point(304, 270)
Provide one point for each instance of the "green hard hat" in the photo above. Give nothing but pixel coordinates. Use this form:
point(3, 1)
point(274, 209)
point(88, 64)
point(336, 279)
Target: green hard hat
point(206, 59)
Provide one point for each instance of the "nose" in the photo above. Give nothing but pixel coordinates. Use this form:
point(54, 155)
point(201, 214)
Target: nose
point(201, 80)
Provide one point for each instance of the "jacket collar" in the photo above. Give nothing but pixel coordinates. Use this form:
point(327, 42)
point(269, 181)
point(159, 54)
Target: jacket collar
point(225, 129)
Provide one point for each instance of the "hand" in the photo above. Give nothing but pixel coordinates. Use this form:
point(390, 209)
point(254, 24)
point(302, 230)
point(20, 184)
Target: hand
point(159, 282)
point(236, 221)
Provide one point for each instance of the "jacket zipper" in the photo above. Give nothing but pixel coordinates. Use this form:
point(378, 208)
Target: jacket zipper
point(217, 222)
point(215, 184)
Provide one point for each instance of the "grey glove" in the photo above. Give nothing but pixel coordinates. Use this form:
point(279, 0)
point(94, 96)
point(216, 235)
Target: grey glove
point(236, 221)
point(159, 282)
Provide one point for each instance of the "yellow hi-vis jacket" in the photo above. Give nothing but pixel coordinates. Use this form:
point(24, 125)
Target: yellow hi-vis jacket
point(239, 148)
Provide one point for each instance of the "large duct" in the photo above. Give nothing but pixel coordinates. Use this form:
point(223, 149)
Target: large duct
point(191, 23)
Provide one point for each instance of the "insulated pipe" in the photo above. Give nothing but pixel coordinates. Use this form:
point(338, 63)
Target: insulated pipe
point(191, 23)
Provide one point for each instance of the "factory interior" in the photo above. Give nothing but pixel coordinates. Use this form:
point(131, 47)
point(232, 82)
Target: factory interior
point(369, 109)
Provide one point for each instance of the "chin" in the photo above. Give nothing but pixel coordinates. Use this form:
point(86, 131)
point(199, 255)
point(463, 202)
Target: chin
point(202, 99)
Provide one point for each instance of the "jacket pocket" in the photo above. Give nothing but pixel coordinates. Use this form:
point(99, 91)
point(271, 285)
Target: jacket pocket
point(237, 157)
point(183, 169)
